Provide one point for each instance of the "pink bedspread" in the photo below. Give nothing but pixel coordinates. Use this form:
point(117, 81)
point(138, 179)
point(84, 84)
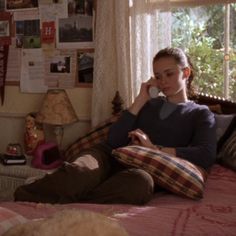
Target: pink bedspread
point(165, 214)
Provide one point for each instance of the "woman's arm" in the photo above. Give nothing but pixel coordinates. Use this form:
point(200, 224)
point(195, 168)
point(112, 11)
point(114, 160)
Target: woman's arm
point(202, 149)
point(142, 97)
point(138, 137)
point(119, 132)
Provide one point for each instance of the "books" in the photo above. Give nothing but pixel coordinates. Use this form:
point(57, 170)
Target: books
point(13, 159)
point(13, 155)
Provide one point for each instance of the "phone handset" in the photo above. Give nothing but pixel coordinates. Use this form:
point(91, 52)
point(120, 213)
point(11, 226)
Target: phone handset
point(153, 91)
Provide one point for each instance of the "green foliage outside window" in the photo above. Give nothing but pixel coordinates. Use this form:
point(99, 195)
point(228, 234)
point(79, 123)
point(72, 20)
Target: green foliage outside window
point(200, 32)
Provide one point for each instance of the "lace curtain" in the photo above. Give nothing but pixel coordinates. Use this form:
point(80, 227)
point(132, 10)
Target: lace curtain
point(166, 4)
point(150, 31)
point(127, 36)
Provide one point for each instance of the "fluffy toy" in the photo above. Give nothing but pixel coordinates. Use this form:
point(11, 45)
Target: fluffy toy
point(70, 223)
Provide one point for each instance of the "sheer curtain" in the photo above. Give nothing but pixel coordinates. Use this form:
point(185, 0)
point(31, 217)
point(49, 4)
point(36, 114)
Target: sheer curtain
point(112, 56)
point(150, 30)
point(128, 34)
point(166, 4)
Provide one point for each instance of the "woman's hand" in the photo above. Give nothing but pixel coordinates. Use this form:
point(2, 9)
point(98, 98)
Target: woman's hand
point(138, 137)
point(142, 97)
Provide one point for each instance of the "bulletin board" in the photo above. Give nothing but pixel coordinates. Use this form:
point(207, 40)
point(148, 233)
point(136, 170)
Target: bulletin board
point(51, 43)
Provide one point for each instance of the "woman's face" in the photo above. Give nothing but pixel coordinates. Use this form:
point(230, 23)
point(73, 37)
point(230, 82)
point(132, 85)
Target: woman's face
point(170, 77)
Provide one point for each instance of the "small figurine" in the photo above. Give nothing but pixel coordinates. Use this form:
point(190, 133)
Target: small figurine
point(34, 134)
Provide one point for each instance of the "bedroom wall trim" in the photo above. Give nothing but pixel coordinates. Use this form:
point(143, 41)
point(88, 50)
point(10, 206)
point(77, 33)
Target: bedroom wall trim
point(82, 118)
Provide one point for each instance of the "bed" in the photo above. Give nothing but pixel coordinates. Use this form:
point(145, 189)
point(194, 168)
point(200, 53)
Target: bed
point(167, 213)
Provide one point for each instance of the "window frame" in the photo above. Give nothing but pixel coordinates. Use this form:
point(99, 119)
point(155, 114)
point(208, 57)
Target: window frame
point(226, 54)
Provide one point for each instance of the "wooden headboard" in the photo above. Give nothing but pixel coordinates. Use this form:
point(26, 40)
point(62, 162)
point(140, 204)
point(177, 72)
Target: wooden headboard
point(216, 104)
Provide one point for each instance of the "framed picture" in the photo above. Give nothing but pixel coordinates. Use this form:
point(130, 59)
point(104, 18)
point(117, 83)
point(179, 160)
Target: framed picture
point(12, 5)
point(28, 34)
point(77, 31)
point(5, 28)
point(85, 64)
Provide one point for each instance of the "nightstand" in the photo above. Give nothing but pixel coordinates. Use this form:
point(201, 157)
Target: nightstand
point(12, 176)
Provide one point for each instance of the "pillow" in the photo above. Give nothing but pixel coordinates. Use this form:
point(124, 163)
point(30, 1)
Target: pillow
point(172, 173)
point(9, 219)
point(216, 108)
point(95, 136)
point(230, 129)
point(222, 123)
point(227, 154)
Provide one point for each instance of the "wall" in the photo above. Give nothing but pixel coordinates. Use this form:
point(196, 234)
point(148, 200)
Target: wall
point(17, 105)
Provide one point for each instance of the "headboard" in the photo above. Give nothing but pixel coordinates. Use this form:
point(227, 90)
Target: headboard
point(216, 104)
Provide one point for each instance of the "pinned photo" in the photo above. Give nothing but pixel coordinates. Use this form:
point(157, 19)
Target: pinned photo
point(60, 65)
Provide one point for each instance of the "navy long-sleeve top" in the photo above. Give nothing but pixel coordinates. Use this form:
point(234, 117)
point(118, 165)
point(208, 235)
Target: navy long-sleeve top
point(190, 129)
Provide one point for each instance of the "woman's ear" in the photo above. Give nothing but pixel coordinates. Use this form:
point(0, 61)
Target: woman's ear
point(187, 72)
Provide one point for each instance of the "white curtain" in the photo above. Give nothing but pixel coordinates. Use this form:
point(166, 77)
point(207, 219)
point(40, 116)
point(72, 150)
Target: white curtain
point(112, 56)
point(150, 30)
point(128, 34)
point(166, 4)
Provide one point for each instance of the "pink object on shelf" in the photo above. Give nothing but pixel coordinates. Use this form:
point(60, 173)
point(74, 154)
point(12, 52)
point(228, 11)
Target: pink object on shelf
point(47, 156)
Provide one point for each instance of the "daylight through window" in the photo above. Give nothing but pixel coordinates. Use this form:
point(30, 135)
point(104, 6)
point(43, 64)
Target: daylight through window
point(208, 33)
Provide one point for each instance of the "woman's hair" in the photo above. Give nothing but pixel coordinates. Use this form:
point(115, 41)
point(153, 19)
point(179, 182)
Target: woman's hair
point(182, 59)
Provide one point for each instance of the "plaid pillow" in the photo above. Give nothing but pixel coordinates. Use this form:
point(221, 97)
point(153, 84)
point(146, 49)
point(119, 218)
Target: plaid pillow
point(95, 136)
point(227, 154)
point(9, 219)
point(172, 173)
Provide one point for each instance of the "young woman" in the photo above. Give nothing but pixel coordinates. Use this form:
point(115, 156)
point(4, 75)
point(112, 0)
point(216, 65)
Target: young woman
point(171, 123)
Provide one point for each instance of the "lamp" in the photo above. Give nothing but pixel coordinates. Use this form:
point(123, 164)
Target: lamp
point(57, 110)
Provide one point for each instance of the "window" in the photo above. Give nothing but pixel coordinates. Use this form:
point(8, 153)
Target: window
point(209, 35)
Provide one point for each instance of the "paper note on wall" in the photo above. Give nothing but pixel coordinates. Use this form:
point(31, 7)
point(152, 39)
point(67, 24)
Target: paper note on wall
point(60, 68)
point(49, 11)
point(32, 71)
point(26, 15)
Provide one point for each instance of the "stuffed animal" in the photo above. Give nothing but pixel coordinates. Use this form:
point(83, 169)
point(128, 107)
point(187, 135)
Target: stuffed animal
point(70, 223)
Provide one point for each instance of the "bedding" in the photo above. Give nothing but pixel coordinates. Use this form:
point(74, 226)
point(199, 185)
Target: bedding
point(9, 218)
point(70, 223)
point(167, 213)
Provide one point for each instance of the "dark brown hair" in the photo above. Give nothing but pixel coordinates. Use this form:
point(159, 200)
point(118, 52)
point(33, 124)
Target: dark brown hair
point(182, 59)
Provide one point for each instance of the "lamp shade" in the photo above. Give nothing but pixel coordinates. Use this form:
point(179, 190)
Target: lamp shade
point(56, 109)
